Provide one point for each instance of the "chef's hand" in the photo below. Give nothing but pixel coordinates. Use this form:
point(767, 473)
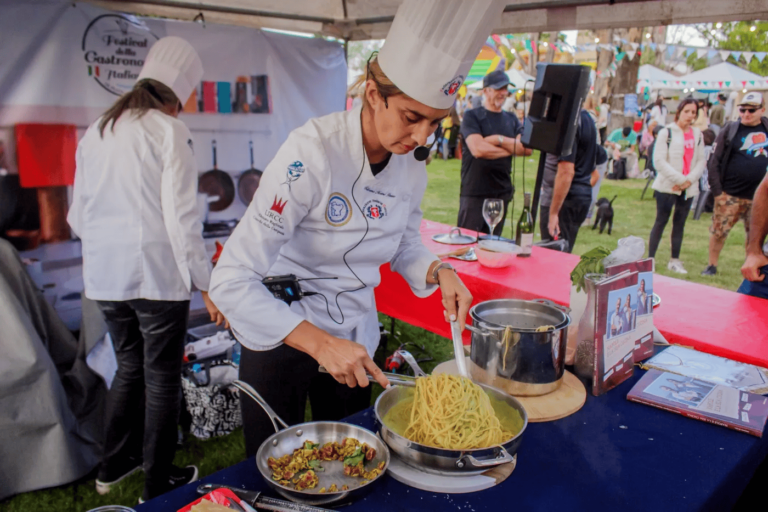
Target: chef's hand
point(456, 296)
point(554, 225)
point(751, 268)
point(216, 315)
point(685, 185)
point(345, 360)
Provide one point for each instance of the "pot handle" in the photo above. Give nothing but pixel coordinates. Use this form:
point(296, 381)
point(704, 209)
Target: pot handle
point(248, 390)
point(470, 462)
point(555, 305)
point(477, 331)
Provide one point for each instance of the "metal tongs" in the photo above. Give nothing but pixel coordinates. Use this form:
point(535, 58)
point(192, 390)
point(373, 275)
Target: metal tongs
point(396, 378)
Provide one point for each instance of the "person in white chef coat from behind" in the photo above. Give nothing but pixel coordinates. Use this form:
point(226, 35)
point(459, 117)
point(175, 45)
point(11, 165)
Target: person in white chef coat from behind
point(134, 207)
point(342, 197)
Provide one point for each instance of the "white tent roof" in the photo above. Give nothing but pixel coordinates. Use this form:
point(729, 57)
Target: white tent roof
point(651, 74)
point(370, 19)
point(730, 75)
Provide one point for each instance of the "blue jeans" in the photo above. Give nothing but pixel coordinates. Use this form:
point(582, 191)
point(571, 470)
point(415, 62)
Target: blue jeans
point(148, 337)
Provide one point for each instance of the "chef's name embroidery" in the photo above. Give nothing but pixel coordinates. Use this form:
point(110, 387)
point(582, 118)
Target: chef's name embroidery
point(375, 209)
point(293, 172)
point(379, 192)
point(272, 218)
point(338, 211)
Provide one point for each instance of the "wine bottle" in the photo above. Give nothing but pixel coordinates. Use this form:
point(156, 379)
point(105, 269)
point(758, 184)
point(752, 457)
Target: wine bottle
point(524, 234)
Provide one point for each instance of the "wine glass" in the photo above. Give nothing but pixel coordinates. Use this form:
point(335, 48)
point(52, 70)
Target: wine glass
point(493, 211)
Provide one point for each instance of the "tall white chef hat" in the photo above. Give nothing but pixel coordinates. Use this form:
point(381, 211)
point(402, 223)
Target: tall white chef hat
point(432, 44)
point(173, 62)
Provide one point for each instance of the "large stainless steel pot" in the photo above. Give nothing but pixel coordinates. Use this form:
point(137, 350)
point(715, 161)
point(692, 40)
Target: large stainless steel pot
point(439, 460)
point(508, 353)
point(284, 441)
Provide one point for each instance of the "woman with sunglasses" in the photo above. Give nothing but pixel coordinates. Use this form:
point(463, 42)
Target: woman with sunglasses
point(678, 157)
point(341, 198)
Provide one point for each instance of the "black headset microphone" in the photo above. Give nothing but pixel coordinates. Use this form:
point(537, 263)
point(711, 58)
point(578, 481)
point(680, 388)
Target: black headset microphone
point(421, 153)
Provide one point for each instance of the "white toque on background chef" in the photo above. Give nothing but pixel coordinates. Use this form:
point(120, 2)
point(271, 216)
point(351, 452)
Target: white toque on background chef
point(342, 197)
point(117, 221)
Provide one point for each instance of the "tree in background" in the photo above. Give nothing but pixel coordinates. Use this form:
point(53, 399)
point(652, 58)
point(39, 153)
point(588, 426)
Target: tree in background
point(357, 55)
point(737, 36)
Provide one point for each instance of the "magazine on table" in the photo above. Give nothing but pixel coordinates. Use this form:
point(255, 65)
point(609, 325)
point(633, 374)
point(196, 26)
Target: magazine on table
point(642, 304)
point(702, 400)
point(615, 331)
point(714, 369)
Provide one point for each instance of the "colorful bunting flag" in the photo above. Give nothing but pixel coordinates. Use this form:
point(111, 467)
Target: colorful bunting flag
point(724, 55)
point(748, 56)
point(702, 52)
point(736, 55)
point(760, 56)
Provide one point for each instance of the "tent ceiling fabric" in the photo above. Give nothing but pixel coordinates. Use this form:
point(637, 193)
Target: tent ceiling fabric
point(370, 19)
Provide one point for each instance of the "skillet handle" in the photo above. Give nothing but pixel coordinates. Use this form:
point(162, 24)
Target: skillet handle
point(473, 463)
point(248, 390)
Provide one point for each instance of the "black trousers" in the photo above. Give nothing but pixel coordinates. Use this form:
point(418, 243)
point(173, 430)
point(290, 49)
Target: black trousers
point(471, 215)
point(285, 377)
point(664, 205)
point(148, 337)
point(571, 216)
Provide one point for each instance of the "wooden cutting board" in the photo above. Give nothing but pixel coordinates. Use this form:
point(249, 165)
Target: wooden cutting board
point(564, 401)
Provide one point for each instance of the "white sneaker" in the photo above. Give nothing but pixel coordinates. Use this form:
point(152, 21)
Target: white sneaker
point(676, 265)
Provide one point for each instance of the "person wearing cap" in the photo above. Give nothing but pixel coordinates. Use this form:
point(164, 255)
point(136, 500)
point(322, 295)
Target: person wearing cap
point(736, 167)
point(490, 137)
point(134, 207)
point(717, 114)
point(341, 198)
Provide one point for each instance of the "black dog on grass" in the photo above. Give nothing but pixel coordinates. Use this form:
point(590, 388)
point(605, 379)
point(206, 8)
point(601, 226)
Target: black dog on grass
point(604, 214)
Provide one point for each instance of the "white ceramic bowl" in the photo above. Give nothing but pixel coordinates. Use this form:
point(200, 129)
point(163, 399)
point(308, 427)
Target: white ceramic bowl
point(496, 253)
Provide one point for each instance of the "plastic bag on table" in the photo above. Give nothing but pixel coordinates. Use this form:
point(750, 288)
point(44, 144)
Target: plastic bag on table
point(631, 248)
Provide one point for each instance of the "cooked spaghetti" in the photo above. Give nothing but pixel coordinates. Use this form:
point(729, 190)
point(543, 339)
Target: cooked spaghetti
point(448, 411)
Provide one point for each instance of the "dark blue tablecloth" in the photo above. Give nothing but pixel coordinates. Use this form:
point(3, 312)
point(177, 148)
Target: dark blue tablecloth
point(611, 455)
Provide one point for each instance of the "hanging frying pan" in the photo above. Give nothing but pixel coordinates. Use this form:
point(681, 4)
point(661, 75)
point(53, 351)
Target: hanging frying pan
point(248, 181)
point(217, 183)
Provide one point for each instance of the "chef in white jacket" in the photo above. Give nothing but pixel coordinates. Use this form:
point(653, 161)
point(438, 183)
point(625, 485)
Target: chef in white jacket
point(340, 198)
point(134, 207)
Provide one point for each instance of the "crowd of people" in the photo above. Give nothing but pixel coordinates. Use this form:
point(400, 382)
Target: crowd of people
point(710, 156)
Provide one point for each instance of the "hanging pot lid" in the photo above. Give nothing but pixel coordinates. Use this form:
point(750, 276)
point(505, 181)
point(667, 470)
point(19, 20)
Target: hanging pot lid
point(248, 181)
point(454, 237)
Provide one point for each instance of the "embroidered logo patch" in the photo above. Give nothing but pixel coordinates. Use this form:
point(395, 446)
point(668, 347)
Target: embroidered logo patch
point(452, 87)
point(293, 173)
point(338, 212)
point(278, 205)
point(375, 209)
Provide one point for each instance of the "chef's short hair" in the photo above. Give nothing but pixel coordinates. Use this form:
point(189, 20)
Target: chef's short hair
point(374, 72)
point(146, 94)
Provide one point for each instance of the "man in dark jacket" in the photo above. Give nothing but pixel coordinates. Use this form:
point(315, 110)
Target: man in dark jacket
point(737, 166)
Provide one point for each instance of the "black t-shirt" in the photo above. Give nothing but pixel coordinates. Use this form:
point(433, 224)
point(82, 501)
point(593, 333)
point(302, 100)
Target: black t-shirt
point(747, 165)
point(377, 168)
point(583, 157)
point(481, 177)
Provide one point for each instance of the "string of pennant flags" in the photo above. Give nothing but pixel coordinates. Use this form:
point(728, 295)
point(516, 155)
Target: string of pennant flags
point(630, 49)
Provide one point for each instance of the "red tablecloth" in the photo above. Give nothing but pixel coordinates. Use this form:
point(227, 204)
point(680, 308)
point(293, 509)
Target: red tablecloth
point(709, 319)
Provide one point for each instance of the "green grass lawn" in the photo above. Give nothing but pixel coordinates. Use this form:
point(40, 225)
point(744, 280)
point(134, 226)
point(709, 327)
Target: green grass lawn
point(633, 216)
point(441, 202)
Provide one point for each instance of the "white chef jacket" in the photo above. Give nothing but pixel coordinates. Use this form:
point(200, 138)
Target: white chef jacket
point(320, 212)
point(134, 206)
